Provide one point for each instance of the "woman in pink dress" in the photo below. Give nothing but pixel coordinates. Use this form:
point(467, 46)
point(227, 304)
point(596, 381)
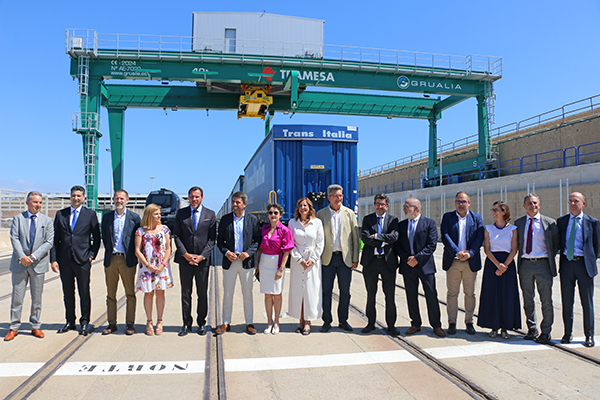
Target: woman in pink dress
point(153, 250)
point(277, 242)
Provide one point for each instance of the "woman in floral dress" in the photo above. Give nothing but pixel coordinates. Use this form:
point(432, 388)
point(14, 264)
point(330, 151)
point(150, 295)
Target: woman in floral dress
point(153, 249)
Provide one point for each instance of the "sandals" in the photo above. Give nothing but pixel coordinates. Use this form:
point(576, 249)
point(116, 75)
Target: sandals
point(493, 334)
point(298, 329)
point(268, 329)
point(505, 335)
point(159, 326)
point(306, 331)
point(149, 328)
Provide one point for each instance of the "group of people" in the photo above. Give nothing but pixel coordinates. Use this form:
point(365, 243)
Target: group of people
point(321, 246)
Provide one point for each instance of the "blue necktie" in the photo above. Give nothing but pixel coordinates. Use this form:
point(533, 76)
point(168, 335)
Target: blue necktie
point(32, 228)
point(379, 250)
point(195, 219)
point(75, 214)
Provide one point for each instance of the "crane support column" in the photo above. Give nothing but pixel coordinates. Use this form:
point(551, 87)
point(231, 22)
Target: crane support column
point(483, 128)
point(433, 154)
point(116, 125)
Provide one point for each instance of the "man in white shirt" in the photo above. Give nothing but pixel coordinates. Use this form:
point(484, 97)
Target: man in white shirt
point(340, 254)
point(538, 243)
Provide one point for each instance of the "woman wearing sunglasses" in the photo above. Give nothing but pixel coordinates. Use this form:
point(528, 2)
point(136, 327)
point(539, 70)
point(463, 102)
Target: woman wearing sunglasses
point(499, 306)
point(277, 242)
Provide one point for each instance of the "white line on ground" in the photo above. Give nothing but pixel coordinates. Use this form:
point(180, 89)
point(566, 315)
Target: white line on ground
point(276, 363)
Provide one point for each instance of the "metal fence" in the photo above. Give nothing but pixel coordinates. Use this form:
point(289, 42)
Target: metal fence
point(559, 158)
point(559, 116)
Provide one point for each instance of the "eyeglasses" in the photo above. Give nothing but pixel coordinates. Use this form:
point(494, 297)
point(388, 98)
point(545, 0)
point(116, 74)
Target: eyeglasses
point(380, 205)
point(273, 212)
point(495, 210)
point(461, 202)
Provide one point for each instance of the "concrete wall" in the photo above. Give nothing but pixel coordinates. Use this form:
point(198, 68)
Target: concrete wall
point(551, 186)
point(572, 133)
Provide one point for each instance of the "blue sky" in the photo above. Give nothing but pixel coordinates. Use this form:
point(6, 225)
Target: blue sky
point(550, 53)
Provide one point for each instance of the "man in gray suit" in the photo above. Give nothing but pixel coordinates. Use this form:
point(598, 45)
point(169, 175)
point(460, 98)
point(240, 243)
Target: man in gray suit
point(32, 238)
point(538, 244)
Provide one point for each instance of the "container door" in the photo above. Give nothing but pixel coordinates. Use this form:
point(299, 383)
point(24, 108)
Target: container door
point(316, 183)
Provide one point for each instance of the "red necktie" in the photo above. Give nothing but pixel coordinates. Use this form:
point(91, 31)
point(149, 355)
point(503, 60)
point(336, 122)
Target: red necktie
point(529, 246)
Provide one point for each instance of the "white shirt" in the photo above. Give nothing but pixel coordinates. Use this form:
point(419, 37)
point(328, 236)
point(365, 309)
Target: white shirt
point(199, 214)
point(500, 238)
point(578, 249)
point(538, 250)
point(462, 231)
point(379, 250)
point(336, 228)
point(118, 227)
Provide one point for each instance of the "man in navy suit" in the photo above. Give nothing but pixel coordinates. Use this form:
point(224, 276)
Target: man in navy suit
point(379, 233)
point(238, 239)
point(462, 234)
point(195, 233)
point(579, 250)
point(417, 241)
point(118, 236)
point(76, 244)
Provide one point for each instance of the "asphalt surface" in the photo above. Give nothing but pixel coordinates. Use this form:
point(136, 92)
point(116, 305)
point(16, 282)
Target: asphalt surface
point(4, 264)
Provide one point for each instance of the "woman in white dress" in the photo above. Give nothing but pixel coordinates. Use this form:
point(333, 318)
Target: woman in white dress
point(306, 295)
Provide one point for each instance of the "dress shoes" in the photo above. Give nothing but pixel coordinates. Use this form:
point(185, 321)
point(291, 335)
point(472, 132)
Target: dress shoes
point(184, 330)
point(85, 329)
point(471, 329)
point(566, 339)
point(345, 326)
point(544, 338)
point(531, 334)
point(223, 328)
point(112, 328)
point(451, 329)
point(37, 333)
point(589, 341)
point(10, 335)
point(66, 328)
point(202, 330)
point(326, 327)
point(439, 332)
point(251, 330)
point(129, 330)
point(412, 330)
point(368, 328)
point(392, 331)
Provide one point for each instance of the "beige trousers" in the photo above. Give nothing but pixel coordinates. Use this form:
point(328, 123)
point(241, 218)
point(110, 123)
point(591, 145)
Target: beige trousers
point(117, 268)
point(460, 272)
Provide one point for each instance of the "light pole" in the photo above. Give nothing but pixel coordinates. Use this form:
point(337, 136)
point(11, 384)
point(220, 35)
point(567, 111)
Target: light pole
point(441, 175)
point(111, 183)
point(152, 178)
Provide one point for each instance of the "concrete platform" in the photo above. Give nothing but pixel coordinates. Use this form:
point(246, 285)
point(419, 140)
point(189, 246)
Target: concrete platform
point(329, 365)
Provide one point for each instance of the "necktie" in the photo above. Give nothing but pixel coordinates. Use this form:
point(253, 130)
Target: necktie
point(411, 235)
point(75, 214)
point(32, 228)
point(195, 220)
point(529, 246)
point(379, 250)
point(571, 244)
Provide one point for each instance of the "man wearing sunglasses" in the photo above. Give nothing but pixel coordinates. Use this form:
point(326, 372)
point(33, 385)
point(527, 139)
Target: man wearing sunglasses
point(462, 234)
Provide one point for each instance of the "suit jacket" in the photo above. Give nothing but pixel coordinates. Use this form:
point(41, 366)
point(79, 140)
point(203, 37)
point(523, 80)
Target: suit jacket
point(132, 223)
point(84, 239)
point(348, 236)
point(424, 245)
point(389, 235)
point(202, 241)
point(252, 238)
point(475, 235)
point(591, 241)
point(42, 243)
point(551, 235)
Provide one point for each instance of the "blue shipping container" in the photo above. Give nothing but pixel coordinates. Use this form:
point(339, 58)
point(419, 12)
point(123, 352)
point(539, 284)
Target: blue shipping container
point(302, 160)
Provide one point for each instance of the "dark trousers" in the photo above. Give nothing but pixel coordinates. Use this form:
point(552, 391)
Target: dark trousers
point(69, 272)
point(336, 267)
point(187, 273)
point(532, 274)
point(371, 273)
point(411, 283)
point(572, 272)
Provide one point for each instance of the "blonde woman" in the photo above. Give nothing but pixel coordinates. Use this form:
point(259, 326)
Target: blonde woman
point(153, 250)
